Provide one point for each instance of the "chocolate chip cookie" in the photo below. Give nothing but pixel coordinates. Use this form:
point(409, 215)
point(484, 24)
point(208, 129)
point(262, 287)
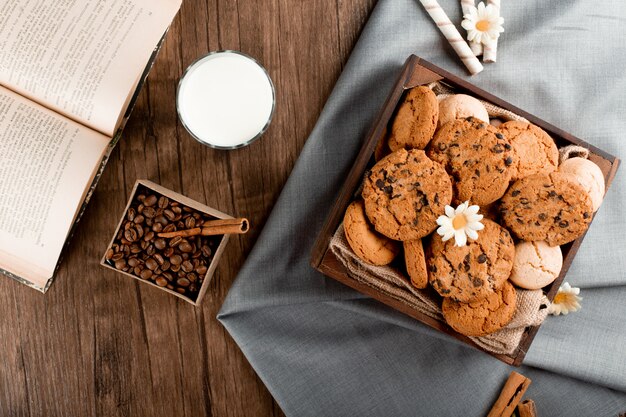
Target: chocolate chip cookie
point(536, 151)
point(553, 207)
point(416, 263)
point(480, 318)
point(474, 271)
point(416, 120)
point(368, 245)
point(405, 193)
point(477, 156)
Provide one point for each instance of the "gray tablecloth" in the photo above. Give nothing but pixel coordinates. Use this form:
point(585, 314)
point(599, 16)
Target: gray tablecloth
point(325, 350)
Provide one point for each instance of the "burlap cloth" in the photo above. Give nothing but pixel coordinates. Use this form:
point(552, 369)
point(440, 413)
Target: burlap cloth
point(531, 305)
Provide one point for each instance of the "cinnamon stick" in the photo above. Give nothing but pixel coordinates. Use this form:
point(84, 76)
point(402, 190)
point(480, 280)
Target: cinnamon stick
point(213, 228)
point(527, 409)
point(510, 396)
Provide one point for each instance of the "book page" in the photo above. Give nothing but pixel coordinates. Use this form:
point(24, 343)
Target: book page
point(80, 58)
point(47, 163)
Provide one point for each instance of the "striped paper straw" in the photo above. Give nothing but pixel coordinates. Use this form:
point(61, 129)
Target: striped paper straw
point(453, 36)
point(490, 51)
point(476, 47)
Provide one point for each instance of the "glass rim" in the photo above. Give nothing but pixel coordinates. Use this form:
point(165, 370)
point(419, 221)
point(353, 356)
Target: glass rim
point(190, 68)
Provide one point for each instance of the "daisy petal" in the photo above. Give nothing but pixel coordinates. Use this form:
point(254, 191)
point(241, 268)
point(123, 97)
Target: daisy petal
point(472, 210)
point(476, 226)
point(460, 238)
point(471, 234)
point(449, 211)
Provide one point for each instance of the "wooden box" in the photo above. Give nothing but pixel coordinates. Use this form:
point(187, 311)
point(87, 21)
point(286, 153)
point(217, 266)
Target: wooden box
point(220, 241)
point(416, 72)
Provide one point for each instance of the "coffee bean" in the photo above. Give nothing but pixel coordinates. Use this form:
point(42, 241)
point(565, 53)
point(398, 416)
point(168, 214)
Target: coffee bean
point(166, 265)
point(117, 256)
point(150, 200)
point(135, 248)
point(168, 276)
point(120, 264)
point(192, 277)
point(160, 243)
point(180, 290)
point(150, 250)
point(176, 260)
point(168, 252)
point(149, 236)
point(201, 270)
point(185, 247)
point(161, 282)
point(174, 267)
point(161, 220)
point(145, 274)
point(131, 235)
point(206, 251)
point(190, 222)
point(159, 258)
point(164, 202)
point(141, 197)
point(149, 212)
point(183, 282)
point(187, 266)
point(133, 262)
point(131, 214)
point(169, 214)
point(175, 241)
point(137, 270)
point(169, 228)
point(157, 227)
point(151, 264)
point(109, 254)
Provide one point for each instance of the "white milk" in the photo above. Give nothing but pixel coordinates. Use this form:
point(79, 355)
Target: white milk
point(225, 100)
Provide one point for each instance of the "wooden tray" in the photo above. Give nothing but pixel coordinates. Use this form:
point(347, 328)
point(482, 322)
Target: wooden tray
point(416, 72)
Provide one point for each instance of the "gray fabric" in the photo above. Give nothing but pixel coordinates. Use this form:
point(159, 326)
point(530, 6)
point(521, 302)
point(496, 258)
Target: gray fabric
point(323, 349)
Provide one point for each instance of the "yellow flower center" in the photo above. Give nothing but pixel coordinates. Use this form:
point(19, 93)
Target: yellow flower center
point(459, 221)
point(482, 25)
point(560, 298)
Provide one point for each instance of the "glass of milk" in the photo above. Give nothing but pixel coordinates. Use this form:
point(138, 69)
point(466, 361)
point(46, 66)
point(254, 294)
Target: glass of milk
point(225, 100)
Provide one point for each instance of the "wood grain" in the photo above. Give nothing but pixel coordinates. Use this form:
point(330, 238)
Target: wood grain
point(101, 344)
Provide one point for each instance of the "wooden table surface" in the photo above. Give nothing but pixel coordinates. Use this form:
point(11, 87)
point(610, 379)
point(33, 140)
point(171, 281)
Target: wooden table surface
point(100, 344)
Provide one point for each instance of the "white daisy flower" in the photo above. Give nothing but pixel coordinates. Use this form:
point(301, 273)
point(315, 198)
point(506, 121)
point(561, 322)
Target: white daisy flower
point(483, 23)
point(566, 300)
point(461, 223)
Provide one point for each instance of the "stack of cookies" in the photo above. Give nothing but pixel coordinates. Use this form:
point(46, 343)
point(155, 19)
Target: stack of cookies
point(503, 203)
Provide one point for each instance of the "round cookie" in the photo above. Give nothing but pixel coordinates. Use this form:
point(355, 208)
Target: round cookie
point(416, 263)
point(589, 176)
point(474, 271)
point(552, 207)
point(536, 151)
point(536, 264)
point(460, 106)
point(368, 245)
point(480, 318)
point(405, 193)
point(477, 156)
point(416, 120)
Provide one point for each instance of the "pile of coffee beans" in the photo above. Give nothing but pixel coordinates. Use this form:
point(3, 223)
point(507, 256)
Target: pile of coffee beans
point(179, 263)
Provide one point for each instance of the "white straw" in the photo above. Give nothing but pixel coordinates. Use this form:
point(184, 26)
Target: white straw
point(453, 36)
point(476, 47)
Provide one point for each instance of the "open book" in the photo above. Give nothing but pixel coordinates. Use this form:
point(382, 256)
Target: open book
point(68, 73)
